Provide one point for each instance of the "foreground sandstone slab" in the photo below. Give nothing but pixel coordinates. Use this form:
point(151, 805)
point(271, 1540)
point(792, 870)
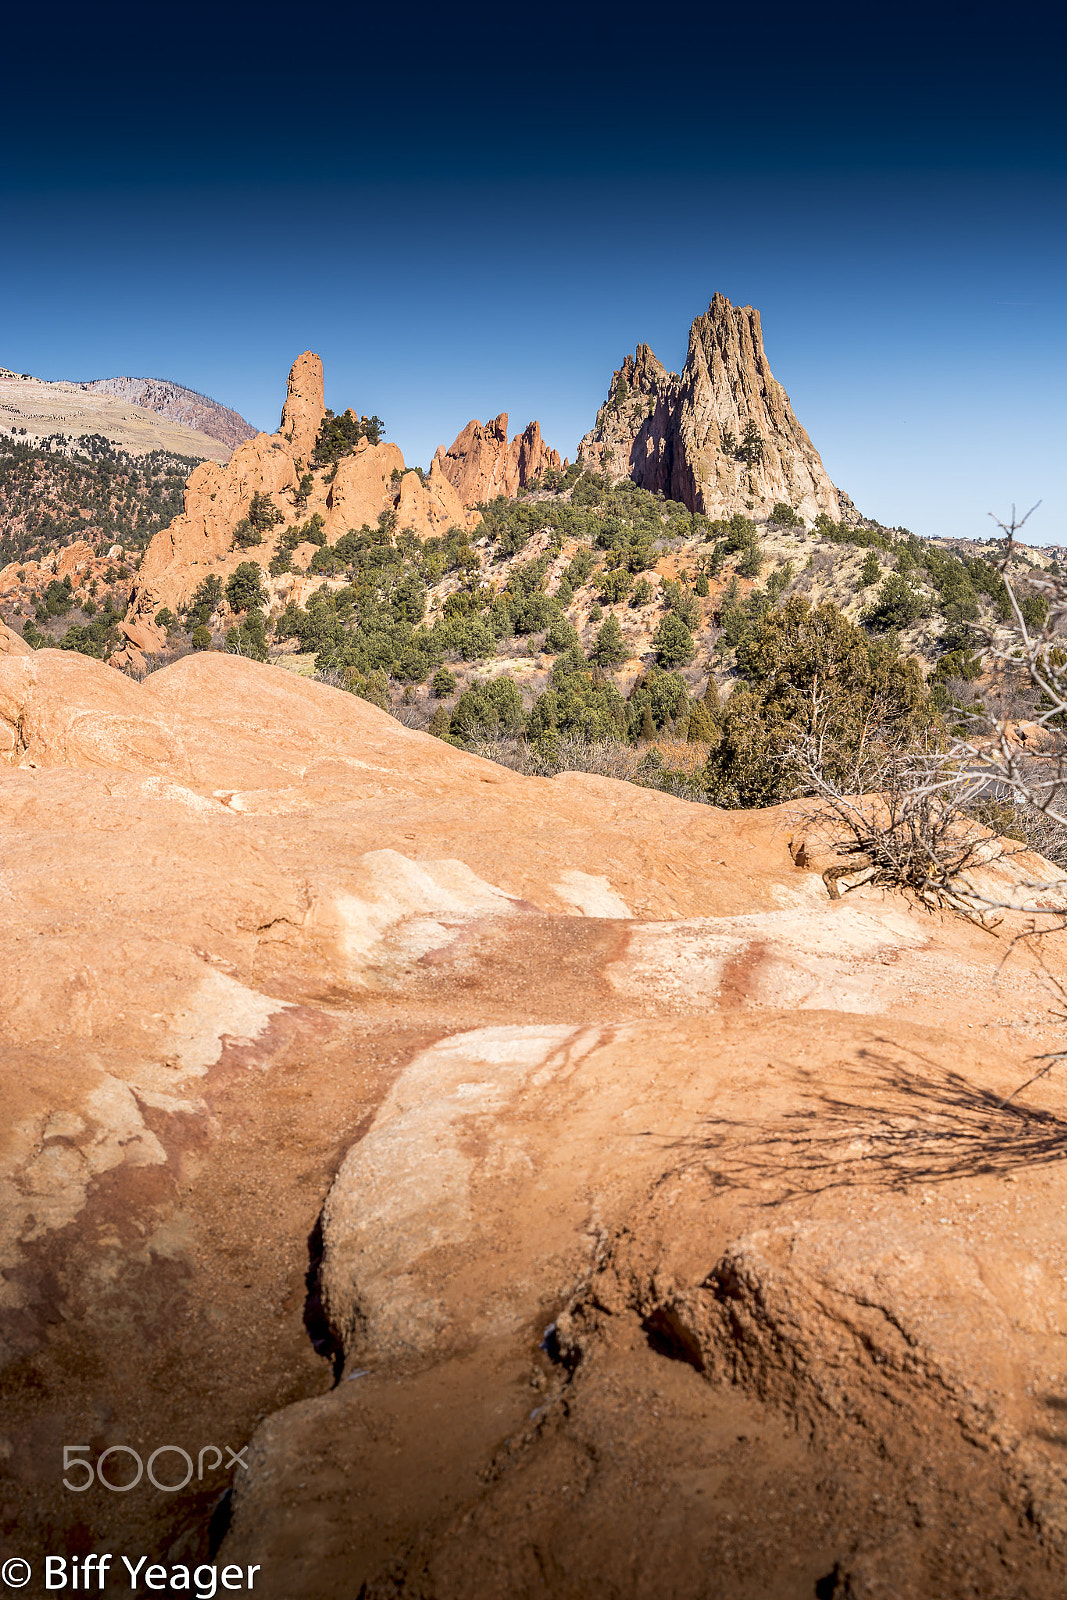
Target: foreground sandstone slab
point(338, 1066)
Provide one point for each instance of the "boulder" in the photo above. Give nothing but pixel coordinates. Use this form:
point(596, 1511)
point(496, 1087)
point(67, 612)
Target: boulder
point(11, 644)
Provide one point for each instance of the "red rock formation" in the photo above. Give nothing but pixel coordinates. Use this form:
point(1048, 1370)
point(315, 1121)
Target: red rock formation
point(680, 435)
point(371, 480)
point(480, 463)
point(11, 644)
point(304, 406)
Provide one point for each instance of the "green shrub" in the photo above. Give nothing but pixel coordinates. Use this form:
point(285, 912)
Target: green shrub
point(785, 516)
point(778, 581)
point(443, 683)
point(201, 638)
point(561, 635)
point(372, 686)
point(248, 638)
point(871, 570)
point(615, 585)
point(751, 562)
point(245, 536)
point(326, 563)
point(86, 641)
point(896, 605)
point(580, 702)
point(703, 727)
point(1034, 611)
point(750, 449)
point(204, 602)
point(338, 436)
point(409, 597)
point(808, 671)
point(580, 567)
point(493, 707)
point(657, 700)
point(679, 600)
point(263, 514)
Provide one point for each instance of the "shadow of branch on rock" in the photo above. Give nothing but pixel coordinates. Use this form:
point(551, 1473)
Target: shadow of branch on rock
point(909, 1123)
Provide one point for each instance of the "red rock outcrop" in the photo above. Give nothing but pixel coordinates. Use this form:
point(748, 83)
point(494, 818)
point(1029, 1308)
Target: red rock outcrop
point(10, 643)
point(681, 435)
point(22, 581)
point(304, 406)
point(371, 480)
point(480, 463)
point(635, 1171)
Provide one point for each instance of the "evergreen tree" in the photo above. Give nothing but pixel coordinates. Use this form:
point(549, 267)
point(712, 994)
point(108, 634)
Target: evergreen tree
point(672, 642)
point(609, 646)
point(702, 727)
point(263, 514)
point(871, 570)
point(245, 591)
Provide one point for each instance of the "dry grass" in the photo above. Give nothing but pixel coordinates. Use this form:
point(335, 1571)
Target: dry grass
point(668, 765)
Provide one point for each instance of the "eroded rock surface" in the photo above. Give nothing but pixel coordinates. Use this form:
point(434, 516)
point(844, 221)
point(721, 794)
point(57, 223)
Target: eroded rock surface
point(544, 1182)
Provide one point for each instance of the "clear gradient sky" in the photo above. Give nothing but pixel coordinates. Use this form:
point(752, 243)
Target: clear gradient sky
point(472, 211)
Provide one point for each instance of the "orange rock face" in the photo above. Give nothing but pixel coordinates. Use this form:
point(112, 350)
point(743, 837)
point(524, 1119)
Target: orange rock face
point(480, 463)
point(304, 406)
point(11, 644)
point(621, 1177)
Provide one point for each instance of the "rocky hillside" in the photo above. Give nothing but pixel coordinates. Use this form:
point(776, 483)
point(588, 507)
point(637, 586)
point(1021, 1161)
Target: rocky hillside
point(721, 437)
point(579, 606)
point(177, 404)
point(573, 604)
point(50, 498)
point(539, 1179)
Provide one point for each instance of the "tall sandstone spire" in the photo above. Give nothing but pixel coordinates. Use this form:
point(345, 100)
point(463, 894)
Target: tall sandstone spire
point(683, 436)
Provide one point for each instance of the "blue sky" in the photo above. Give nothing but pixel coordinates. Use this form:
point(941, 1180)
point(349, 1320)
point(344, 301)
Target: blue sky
point(470, 216)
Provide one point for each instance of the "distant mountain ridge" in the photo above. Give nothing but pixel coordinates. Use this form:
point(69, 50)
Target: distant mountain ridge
point(178, 404)
point(136, 415)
